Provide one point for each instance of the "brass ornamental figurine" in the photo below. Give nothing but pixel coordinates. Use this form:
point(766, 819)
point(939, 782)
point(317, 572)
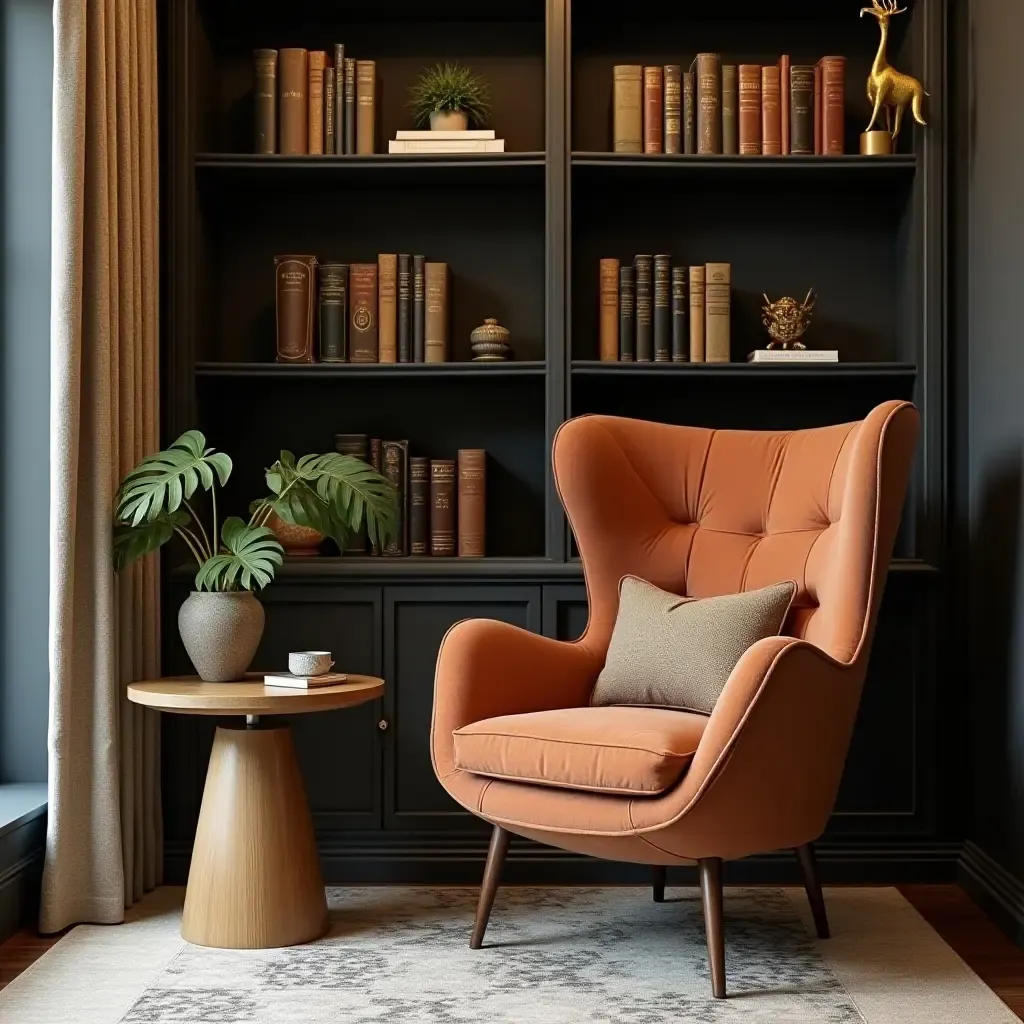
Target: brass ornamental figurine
point(786, 320)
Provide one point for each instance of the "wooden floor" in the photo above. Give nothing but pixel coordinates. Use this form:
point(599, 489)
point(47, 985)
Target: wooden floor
point(947, 908)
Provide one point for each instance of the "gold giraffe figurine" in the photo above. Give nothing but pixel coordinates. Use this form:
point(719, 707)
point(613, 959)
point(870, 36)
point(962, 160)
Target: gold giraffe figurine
point(886, 86)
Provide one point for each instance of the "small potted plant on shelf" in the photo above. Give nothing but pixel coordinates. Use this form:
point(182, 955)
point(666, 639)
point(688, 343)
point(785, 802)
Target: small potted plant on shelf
point(221, 622)
point(449, 97)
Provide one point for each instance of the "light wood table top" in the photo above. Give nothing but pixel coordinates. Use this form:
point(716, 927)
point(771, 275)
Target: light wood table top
point(189, 695)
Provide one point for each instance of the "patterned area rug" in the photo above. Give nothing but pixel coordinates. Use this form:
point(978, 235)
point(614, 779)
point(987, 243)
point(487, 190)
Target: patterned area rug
point(552, 956)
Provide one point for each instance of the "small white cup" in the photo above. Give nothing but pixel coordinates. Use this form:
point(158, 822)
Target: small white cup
point(309, 663)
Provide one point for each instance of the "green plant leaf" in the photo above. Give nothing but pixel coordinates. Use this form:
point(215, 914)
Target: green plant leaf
point(450, 87)
point(134, 542)
point(252, 557)
point(353, 492)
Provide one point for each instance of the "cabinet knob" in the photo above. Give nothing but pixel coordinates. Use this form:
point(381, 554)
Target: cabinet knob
point(382, 724)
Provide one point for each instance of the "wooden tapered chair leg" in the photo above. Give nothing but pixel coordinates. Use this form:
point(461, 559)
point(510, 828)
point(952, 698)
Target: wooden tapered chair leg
point(710, 869)
point(812, 883)
point(492, 873)
point(658, 880)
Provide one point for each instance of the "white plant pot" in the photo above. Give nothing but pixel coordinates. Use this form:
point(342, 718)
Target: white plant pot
point(221, 633)
point(449, 121)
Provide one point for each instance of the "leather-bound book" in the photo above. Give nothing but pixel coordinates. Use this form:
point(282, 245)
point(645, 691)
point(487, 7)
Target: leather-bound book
point(673, 108)
point(395, 466)
point(333, 312)
point(654, 127)
point(817, 109)
point(609, 317)
point(387, 307)
point(627, 112)
point(419, 506)
point(362, 301)
point(436, 315)
point(696, 283)
point(366, 105)
point(329, 105)
point(296, 307)
point(376, 462)
point(357, 446)
point(419, 310)
point(689, 114)
point(404, 308)
point(265, 101)
point(472, 505)
point(662, 308)
point(317, 61)
point(293, 101)
point(784, 79)
point(680, 336)
point(644, 266)
point(709, 103)
point(627, 314)
point(801, 109)
point(750, 110)
point(730, 110)
point(339, 97)
point(442, 507)
point(717, 307)
point(833, 106)
point(771, 111)
point(349, 102)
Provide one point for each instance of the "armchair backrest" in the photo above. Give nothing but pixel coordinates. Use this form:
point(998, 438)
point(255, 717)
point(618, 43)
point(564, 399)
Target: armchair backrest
point(702, 512)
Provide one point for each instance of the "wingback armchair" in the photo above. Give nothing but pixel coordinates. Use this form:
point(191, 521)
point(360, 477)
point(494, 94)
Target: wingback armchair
point(699, 513)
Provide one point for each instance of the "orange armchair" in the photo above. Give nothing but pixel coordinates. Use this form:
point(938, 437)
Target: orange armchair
point(696, 512)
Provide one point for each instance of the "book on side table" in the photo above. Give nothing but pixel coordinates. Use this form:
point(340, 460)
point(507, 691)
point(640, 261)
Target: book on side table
point(305, 682)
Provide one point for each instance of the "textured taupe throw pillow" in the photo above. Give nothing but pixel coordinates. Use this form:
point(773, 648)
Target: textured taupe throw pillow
point(677, 652)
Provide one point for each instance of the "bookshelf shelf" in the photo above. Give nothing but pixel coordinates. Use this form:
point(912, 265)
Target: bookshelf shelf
point(592, 368)
point(381, 372)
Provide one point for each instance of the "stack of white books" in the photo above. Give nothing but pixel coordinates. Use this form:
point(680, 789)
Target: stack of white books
point(472, 141)
point(793, 355)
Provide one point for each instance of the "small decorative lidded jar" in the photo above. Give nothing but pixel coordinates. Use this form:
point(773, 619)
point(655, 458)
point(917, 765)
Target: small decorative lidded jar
point(489, 343)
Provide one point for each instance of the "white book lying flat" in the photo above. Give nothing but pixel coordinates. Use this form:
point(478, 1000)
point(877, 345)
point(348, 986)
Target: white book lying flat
point(305, 682)
point(427, 146)
point(445, 136)
point(798, 355)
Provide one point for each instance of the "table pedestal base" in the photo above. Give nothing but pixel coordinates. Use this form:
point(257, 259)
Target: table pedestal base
point(255, 879)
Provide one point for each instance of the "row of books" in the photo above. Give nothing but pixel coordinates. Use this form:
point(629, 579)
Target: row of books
point(747, 109)
point(652, 311)
point(442, 502)
point(304, 103)
point(394, 310)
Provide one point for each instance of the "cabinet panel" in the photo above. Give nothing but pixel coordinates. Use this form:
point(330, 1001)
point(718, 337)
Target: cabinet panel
point(565, 612)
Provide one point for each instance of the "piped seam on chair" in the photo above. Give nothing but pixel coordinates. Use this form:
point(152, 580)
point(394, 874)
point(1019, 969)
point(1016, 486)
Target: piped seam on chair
point(575, 743)
point(528, 780)
point(483, 792)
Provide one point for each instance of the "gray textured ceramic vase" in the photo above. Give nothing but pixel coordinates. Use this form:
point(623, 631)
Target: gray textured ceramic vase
point(221, 633)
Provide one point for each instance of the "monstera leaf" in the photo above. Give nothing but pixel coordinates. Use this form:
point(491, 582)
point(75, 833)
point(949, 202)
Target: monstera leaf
point(251, 559)
point(132, 542)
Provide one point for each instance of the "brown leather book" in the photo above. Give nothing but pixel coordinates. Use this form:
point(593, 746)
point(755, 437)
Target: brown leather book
point(709, 103)
point(644, 266)
point(357, 446)
point(472, 510)
point(333, 312)
point(442, 507)
point(419, 301)
point(673, 108)
point(366, 105)
point(329, 105)
point(436, 314)
point(349, 102)
point(265, 101)
point(362, 301)
point(717, 312)
point(404, 307)
point(627, 314)
point(627, 112)
point(654, 127)
point(293, 100)
point(771, 111)
point(689, 114)
point(662, 308)
point(696, 283)
point(339, 97)
point(817, 109)
point(419, 505)
point(376, 462)
point(833, 106)
point(296, 307)
point(750, 110)
point(387, 307)
point(317, 61)
point(609, 318)
point(801, 109)
point(784, 77)
point(730, 110)
point(395, 460)
point(680, 336)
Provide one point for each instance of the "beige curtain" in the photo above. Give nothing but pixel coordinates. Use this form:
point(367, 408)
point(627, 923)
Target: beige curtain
point(104, 842)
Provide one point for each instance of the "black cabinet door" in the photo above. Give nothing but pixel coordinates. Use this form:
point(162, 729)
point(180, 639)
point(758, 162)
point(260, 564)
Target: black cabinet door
point(565, 611)
point(415, 621)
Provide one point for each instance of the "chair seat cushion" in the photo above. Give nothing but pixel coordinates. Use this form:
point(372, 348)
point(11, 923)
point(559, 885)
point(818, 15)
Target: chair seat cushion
point(627, 751)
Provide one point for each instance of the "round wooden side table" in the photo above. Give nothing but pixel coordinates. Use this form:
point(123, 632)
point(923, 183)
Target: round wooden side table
point(255, 879)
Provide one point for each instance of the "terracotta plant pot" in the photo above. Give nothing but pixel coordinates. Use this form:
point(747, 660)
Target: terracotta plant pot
point(221, 633)
point(449, 121)
point(296, 540)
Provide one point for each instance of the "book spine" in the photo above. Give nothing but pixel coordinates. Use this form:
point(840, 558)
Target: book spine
point(333, 312)
point(730, 110)
point(404, 307)
point(296, 307)
point(662, 308)
point(709, 103)
point(442, 507)
point(387, 307)
point(801, 109)
point(673, 109)
point(265, 101)
point(784, 78)
point(293, 102)
point(817, 109)
point(349, 100)
point(329, 105)
point(627, 314)
point(680, 338)
point(419, 295)
point(750, 110)
point(627, 113)
point(696, 283)
point(833, 106)
point(395, 457)
point(771, 111)
point(717, 305)
point(419, 508)
point(472, 503)
point(363, 325)
point(366, 105)
point(376, 463)
point(436, 312)
point(644, 266)
point(689, 114)
point(357, 446)
point(316, 63)
point(609, 317)
point(339, 98)
point(653, 110)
